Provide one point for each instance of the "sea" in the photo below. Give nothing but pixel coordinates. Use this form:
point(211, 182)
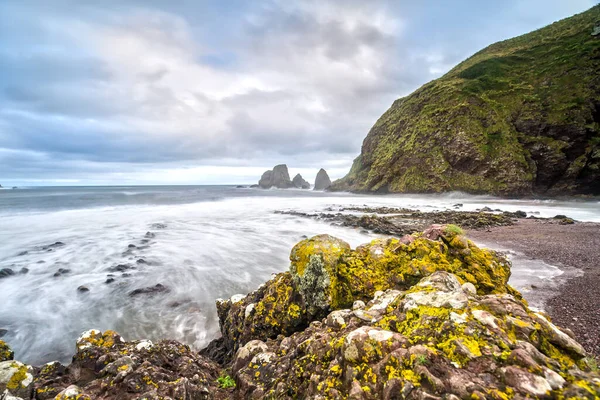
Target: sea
point(201, 243)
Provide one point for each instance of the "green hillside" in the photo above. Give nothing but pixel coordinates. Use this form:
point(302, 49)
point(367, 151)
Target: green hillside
point(521, 117)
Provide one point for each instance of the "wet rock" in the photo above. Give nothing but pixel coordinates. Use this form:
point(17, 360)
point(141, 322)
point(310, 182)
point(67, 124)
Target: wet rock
point(109, 280)
point(141, 261)
point(131, 246)
point(83, 289)
point(322, 180)
point(3, 332)
point(120, 268)
point(24, 271)
point(23, 253)
point(61, 271)
point(6, 272)
point(150, 290)
point(158, 226)
point(150, 235)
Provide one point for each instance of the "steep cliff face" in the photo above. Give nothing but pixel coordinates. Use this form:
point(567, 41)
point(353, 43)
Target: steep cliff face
point(520, 117)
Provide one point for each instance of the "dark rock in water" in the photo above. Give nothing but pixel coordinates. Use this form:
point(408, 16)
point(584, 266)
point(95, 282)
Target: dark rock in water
point(322, 180)
point(23, 253)
point(83, 289)
point(62, 271)
point(41, 262)
point(158, 226)
point(457, 205)
point(150, 235)
point(300, 183)
point(141, 261)
point(131, 246)
point(254, 186)
point(560, 216)
point(110, 280)
point(6, 272)
point(3, 332)
point(520, 214)
point(120, 268)
point(279, 177)
point(24, 271)
point(486, 209)
point(240, 187)
point(150, 290)
point(53, 246)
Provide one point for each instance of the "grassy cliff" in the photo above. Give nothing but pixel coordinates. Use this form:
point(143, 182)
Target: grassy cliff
point(520, 117)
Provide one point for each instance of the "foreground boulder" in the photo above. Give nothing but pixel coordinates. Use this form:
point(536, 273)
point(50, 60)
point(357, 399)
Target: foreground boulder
point(322, 180)
point(326, 274)
point(278, 177)
point(300, 183)
point(438, 340)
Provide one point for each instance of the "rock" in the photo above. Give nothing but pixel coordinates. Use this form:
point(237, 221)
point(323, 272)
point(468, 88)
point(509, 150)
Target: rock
point(322, 180)
point(6, 353)
point(109, 280)
point(61, 271)
point(120, 268)
point(300, 183)
point(83, 289)
point(3, 332)
point(131, 246)
point(73, 392)
point(24, 271)
point(107, 367)
point(6, 272)
point(150, 290)
point(150, 235)
point(17, 378)
point(278, 177)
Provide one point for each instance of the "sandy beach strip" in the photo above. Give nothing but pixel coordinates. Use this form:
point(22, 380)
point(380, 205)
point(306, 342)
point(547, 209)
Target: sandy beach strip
point(576, 305)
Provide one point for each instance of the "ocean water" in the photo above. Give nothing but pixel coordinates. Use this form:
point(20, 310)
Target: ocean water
point(201, 242)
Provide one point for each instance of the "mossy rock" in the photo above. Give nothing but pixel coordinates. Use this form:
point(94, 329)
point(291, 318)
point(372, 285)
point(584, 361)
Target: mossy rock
point(326, 274)
point(6, 352)
point(436, 340)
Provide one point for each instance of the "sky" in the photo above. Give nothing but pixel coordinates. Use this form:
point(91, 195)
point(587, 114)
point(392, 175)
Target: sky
point(120, 92)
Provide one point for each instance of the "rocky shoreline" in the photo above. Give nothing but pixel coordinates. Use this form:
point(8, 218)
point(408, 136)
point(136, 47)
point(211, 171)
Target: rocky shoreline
point(424, 316)
point(568, 246)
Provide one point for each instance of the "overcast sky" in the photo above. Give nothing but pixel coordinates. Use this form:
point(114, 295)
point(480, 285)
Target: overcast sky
point(200, 92)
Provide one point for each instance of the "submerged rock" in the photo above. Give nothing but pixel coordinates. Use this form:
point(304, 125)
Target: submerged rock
point(6, 272)
point(150, 290)
point(322, 180)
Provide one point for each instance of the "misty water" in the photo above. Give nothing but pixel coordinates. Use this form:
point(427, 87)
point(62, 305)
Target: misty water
point(205, 242)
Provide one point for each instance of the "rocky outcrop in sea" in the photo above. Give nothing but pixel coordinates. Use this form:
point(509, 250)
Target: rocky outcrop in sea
point(278, 177)
point(322, 180)
point(424, 316)
point(300, 183)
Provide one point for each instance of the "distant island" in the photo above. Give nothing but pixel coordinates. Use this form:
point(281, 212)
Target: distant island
point(519, 118)
point(279, 177)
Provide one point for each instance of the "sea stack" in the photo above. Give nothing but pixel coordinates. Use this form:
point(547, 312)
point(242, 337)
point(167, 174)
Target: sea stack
point(300, 183)
point(322, 180)
point(278, 177)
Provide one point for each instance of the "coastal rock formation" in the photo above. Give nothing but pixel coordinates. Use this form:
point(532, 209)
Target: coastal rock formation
point(322, 180)
point(300, 183)
point(425, 316)
point(278, 177)
point(520, 117)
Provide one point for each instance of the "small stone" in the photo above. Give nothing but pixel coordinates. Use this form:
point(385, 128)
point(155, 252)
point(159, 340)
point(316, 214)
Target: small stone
point(24, 271)
point(131, 246)
point(83, 289)
point(358, 304)
point(110, 280)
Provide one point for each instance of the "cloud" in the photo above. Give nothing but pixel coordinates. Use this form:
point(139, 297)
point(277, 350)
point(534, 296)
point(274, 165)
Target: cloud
point(147, 88)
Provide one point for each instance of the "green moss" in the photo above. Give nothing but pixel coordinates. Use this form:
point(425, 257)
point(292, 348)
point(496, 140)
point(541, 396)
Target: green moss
point(477, 128)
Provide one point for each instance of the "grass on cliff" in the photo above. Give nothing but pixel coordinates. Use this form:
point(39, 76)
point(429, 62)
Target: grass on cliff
point(461, 131)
